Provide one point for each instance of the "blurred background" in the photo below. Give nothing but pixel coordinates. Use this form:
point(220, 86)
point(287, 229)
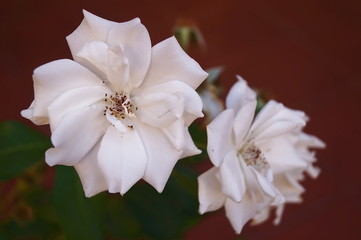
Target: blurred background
point(304, 53)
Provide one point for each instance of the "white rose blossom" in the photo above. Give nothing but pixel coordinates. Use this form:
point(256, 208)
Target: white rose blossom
point(120, 111)
point(287, 182)
point(252, 156)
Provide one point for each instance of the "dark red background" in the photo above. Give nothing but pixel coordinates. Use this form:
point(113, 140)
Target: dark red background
point(305, 52)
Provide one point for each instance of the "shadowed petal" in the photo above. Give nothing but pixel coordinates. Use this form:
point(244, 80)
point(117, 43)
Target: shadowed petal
point(219, 135)
point(209, 192)
point(90, 174)
point(190, 148)
point(231, 177)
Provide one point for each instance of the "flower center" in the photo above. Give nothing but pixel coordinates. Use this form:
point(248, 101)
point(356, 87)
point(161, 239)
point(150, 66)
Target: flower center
point(254, 157)
point(120, 106)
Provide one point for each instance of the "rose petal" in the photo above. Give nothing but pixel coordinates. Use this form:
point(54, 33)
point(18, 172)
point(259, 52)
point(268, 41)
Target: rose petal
point(75, 135)
point(162, 156)
point(159, 109)
point(190, 148)
point(118, 69)
point(176, 134)
point(192, 102)
point(170, 62)
point(240, 213)
point(232, 178)
point(209, 192)
point(219, 135)
point(74, 100)
point(281, 155)
point(92, 28)
point(243, 121)
point(90, 174)
point(94, 56)
point(275, 120)
point(239, 95)
point(135, 41)
point(53, 79)
point(122, 158)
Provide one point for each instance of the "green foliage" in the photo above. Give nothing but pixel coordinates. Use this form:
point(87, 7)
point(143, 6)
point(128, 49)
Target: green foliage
point(20, 147)
point(78, 217)
point(41, 206)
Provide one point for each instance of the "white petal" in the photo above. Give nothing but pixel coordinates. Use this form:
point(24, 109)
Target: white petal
point(162, 156)
point(90, 174)
point(261, 216)
point(232, 177)
point(74, 100)
point(219, 135)
point(94, 56)
point(274, 120)
point(243, 121)
point(135, 41)
point(28, 113)
point(289, 187)
point(118, 69)
point(92, 28)
point(279, 212)
point(309, 141)
point(209, 192)
point(176, 134)
point(170, 62)
point(281, 155)
point(192, 101)
point(53, 79)
point(313, 171)
point(264, 184)
point(190, 148)
point(159, 109)
point(240, 213)
point(122, 158)
point(239, 95)
point(119, 125)
point(75, 135)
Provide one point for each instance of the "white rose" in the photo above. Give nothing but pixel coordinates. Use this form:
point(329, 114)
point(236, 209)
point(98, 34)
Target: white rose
point(120, 111)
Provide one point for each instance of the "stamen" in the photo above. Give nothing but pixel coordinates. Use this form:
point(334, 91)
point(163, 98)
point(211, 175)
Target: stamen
point(120, 106)
point(254, 157)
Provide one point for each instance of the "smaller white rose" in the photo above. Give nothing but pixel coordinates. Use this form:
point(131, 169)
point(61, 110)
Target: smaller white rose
point(248, 152)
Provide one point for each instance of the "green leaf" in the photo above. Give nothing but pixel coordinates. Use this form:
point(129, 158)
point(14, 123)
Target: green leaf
point(170, 214)
point(20, 148)
point(79, 217)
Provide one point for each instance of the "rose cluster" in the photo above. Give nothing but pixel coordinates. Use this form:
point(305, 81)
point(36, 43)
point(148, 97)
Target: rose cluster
point(120, 111)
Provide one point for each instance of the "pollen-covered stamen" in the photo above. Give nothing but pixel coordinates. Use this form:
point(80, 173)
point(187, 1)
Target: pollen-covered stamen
point(254, 157)
point(120, 106)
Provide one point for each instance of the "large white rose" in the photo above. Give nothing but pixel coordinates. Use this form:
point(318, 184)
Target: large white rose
point(120, 111)
point(248, 152)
